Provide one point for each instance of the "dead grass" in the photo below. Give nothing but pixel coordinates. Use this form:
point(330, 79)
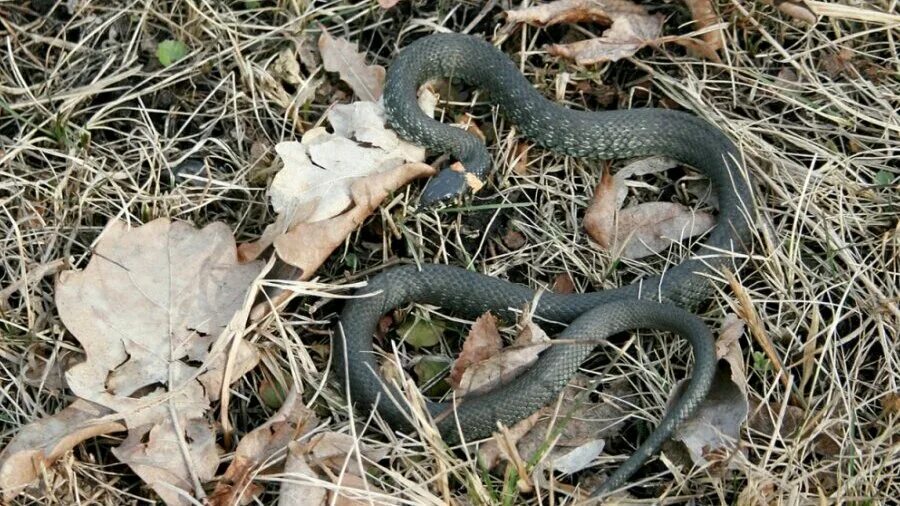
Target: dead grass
point(93, 128)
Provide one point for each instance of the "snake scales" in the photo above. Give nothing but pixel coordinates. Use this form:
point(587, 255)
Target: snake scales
point(654, 302)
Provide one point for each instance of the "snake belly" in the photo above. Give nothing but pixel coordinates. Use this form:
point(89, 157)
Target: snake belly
point(657, 302)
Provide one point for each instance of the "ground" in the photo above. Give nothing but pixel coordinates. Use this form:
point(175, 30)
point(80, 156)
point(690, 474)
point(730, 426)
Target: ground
point(93, 127)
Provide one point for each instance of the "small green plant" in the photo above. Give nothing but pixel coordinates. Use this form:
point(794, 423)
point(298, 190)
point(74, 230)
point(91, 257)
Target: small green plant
point(761, 363)
point(170, 51)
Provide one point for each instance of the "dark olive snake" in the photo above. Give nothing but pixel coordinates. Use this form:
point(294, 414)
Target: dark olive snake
point(654, 302)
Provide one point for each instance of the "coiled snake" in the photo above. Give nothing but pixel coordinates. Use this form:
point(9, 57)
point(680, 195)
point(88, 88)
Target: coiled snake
point(654, 302)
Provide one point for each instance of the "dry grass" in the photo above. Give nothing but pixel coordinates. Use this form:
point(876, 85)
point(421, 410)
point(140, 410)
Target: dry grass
point(93, 128)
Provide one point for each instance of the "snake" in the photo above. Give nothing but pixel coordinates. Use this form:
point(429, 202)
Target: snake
point(662, 302)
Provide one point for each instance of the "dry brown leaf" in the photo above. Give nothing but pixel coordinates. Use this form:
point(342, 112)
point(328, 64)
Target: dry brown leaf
point(336, 451)
point(582, 426)
point(299, 486)
point(575, 11)
point(520, 161)
point(482, 342)
point(330, 456)
point(507, 364)
point(387, 4)
point(625, 37)
point(711, 435)
point(341, 56)
point(39, 444)
point(641, 230)
point(600, 217)
point(768, 420)
point(319, 172)
point(704, 14)
point(640, 167)
point(154, 453)
point(307, 245)
point(797, 9)
point(153, 301)
point(292, 421)
point(563, 284)
point(631, 28)
point(513, 239)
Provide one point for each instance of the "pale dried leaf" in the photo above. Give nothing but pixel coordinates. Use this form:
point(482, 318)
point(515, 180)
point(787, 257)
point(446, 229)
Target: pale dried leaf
point(320, 170)
point(286, 67)
point(625, 37)
point(578, 458)
point(336, 451)
point(152, 299)
point(482, 342)
point(341, 56)
point(506, 365)
point(575, 11)
point(711, 434)
point(161, 463)
point(307, 245)
point(599, 219)
point(649, 228)
point(42, 442)
point(582, 426)
point(644, 166)
point(299, 486)
point(704, 14)
point(152, 302)
point(797, 9)
point(387, 4)
point(292, 421)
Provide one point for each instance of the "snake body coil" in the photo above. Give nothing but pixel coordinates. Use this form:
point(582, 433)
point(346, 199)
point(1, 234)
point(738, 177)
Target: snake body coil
point(648, 303)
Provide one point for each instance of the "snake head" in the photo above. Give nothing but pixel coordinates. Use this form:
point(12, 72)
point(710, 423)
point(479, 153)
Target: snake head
point(444, 188)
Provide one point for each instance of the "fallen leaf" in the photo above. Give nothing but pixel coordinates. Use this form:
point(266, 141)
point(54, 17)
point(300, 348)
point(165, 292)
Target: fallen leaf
point(704, 14)
point(768, 420)
point(711, 435)
point(337, 452)
point(599, 219)
point(387, 4)
point(641, 230)
point(520, 161)
point(341, 56)
point(575, 425)
point(578, 458)
point(291, 422)
point(797, 9)
point(154, 452)
point(318, 178)
point(513, 239)
point(574, 11)
point(563, 284)
point(625, 37)
point(482, 342)
point(40, 443)
point(420, 332)
point(641, 167)
point(308, 245)
point(502, 367)
point(299, 487)
point(631, 28)
point(149, 310)
point(890, 403)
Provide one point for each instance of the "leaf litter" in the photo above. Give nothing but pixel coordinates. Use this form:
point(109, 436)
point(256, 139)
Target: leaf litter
point(711, 436)
point(644, 229)
point(631, 28)
point(152, 310)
